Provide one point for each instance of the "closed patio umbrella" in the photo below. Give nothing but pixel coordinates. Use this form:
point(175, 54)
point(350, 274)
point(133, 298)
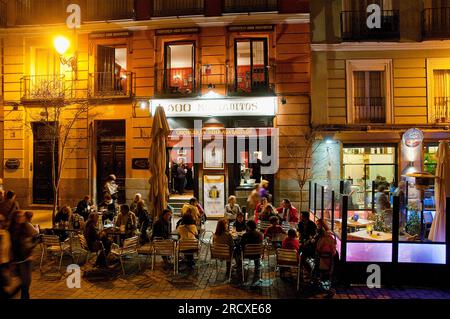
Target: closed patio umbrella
point(159, 189)
point(442, 190)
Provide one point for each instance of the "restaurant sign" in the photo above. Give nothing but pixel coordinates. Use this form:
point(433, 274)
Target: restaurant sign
point(258, 106)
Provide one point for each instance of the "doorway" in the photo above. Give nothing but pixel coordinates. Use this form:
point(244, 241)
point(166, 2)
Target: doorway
point(111, 156)
point(42, 163)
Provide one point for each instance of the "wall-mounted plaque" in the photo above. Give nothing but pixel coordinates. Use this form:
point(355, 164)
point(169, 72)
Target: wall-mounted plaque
point(140, 163)
point(12, 163)
point(250, 28)
point(177, 31)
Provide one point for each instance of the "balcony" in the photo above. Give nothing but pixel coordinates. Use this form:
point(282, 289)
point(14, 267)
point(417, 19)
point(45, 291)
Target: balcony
point(43, 87)
point(441, 110)
point(245, 81)
point(436, 23)
point(244, 6)
point(354, 26)
point(2, 14)
point(177, 82)
point(108, 85)
point(31, 12)
point(169, 8)
point(103, 10)
point(370, 110)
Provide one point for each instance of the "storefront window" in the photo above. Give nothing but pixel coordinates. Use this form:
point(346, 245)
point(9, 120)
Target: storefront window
point(179, 72)
point(369, 180)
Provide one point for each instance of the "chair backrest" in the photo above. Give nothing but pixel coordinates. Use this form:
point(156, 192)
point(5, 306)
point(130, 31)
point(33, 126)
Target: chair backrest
point(287, 257)
point(130, 244)
point(164, 247)
point(83, 241)
point(262, 226)
point(207, 237)
point(278, 237)
point(221, 251)
point(253, 250)
point(188, 244)
point(50, 240)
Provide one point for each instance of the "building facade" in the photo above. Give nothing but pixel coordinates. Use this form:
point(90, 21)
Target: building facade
point(371, 84)
point(225, 70)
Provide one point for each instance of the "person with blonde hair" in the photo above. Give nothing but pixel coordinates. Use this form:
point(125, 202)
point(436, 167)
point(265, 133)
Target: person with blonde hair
point(232, 209)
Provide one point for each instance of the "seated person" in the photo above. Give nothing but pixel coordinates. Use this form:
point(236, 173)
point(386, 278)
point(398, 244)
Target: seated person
point(223, 237)
point(232, 209)
point(143, 220)
point(325, 248)
point(274, 228)
point(251, 236)
point(110, 206)
point(162, 227)
point(126, 222)
point(188, 230)
point(134, 203)
point(287, 212)
point(96, 240)
point(266, 211)
point(192, 210)
point(291, 241)
point(239, 224)
point(84, 207)
point(62, 219)
point(307, 230)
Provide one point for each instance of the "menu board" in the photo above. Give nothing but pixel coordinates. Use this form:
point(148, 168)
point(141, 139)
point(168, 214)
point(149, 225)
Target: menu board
point(214, 195)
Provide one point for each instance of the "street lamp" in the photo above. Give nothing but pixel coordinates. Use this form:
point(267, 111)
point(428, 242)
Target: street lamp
point(62, 44)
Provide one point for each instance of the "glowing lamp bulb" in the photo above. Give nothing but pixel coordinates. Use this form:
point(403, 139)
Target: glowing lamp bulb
point(61, 44)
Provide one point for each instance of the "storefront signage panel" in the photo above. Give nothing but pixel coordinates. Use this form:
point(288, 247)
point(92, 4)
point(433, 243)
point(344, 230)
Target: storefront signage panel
point(214, 195)
point(261, 106)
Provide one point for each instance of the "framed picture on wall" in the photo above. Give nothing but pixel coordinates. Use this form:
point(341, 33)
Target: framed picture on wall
point(213, 157)
point(214, 195)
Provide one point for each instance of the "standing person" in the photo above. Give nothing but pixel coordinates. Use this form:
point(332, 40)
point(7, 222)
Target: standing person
point(232, 209)
point(173, 177)
point(84, 207)
point(111, 188)
point(252, 200)
point(5, 258)
point(287, 212)
point(181, 178)
point(256, 168)
point(143, 220)
point(264, 189)
point(126, 222)
point(134, 203)
point(24, 239)
point(9, 205)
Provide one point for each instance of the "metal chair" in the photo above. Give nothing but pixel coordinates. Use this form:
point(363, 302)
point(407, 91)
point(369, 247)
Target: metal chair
point(249, 252)
point(164, 248)
point(78, 246)
point(130, 247)
point(206, 240)
point(224, 253)
point(187, 247)
point(52, 245)
point(289, 258)
point(262, 226)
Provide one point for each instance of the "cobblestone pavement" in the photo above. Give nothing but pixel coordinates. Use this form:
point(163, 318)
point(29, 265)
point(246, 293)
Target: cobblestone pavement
point(203, 283)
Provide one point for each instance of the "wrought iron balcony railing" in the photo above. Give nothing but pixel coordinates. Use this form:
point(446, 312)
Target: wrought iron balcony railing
point(102, 10)
point(254, 81)
point(436, 23)
point(177, 82)
point(369, 110)
point(2, 14)
point(30, 12)
point(111, 85)
point(354, 26)
point(43, 87)
point(167, 8)
point(441, 110)
point(237, 6)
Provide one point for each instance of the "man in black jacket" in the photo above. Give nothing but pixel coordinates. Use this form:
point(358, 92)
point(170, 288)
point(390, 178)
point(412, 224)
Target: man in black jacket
point(307, 229)
point(83, 207)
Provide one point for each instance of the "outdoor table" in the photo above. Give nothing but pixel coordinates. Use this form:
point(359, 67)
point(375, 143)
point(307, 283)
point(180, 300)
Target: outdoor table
point(363, 235)
point(175, 235)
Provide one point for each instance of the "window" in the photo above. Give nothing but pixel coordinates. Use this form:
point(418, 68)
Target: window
point(438, 90)
point(179, 70)
point(251, 72)
point(369, 91)
point(111, 77)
